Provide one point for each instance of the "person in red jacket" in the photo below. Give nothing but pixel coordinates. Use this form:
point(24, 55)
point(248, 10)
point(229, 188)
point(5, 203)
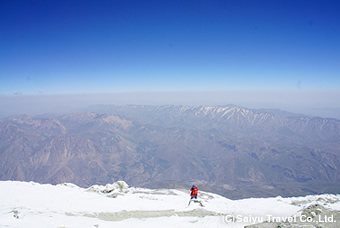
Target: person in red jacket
point(194, 191)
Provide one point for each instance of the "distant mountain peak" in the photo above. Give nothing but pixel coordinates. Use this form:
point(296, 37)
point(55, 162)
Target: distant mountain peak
point(257, 152)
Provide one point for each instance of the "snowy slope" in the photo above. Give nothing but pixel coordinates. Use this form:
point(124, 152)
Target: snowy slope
point(35, 205)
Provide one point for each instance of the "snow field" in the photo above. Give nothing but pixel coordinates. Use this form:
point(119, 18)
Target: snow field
point(28, 204)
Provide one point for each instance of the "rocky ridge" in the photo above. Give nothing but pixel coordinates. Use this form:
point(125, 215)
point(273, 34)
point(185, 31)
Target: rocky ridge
point(220, 148)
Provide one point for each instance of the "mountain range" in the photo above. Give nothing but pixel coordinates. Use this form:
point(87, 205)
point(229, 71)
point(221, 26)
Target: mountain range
point(230, 150)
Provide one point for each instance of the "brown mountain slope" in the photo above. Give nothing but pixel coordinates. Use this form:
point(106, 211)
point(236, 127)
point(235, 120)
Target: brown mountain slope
point(239, 156)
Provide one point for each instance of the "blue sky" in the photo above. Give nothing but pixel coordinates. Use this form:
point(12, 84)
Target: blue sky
point(72, 47)
point(66, 54)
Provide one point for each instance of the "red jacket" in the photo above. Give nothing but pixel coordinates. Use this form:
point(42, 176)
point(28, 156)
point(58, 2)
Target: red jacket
point(194, 191)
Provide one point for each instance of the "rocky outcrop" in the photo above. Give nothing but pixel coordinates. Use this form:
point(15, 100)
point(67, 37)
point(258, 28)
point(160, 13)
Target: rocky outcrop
point(314, 216)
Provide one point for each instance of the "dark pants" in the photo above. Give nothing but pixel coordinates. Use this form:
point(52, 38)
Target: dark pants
point(194, 196)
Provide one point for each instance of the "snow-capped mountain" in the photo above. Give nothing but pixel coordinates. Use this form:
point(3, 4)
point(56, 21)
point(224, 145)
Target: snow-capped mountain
point(224, 148)
point(36, 205)
point(229, 118)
